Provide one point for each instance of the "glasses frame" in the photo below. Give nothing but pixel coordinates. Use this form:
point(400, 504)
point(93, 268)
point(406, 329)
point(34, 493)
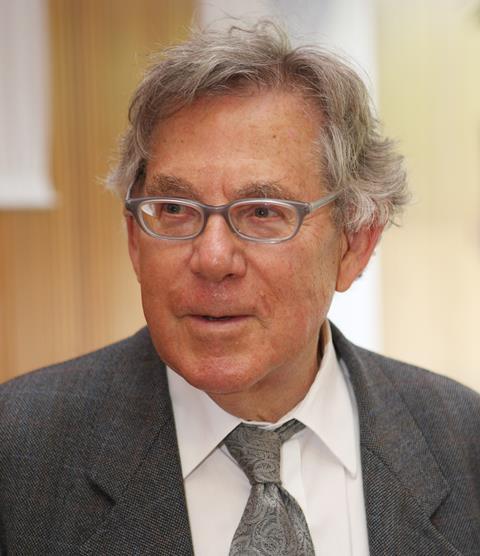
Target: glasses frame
point(302, 209)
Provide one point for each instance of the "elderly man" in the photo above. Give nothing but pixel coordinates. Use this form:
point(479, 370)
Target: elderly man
point(240, 421)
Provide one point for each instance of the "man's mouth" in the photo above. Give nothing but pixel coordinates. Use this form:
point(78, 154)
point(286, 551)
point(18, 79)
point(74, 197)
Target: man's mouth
point(217, 324)
point(219, 318)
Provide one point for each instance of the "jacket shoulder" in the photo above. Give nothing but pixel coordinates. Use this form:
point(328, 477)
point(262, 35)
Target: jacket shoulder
point(53, 423)
point(56, 406)
point(420, 389)
point(425, 390)
point(446, 412)
point(82, 373)
point(78, 368)
point(60, 396)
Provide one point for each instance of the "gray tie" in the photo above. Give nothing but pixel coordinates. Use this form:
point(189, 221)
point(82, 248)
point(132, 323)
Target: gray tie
point(272, 523)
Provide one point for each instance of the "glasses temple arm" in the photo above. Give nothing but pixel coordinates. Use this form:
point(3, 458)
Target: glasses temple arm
point(322, 202)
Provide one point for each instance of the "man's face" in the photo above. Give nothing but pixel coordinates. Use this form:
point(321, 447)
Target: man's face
point(234, 317)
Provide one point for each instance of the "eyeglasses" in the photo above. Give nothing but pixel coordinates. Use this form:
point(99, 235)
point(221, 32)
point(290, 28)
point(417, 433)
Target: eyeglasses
point(259, 220)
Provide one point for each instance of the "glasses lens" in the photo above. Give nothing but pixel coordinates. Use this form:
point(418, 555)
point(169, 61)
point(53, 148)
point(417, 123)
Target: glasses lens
point(264, 220)
point(171, 218)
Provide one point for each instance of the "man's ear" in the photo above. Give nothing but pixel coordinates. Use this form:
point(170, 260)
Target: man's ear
point(133, 243)
point(356, 252)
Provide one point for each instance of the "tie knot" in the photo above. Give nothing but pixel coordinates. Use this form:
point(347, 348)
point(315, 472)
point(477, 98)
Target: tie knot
point(257, 450)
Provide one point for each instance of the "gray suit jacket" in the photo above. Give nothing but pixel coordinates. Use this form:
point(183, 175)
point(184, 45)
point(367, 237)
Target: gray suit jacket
point(89, 462)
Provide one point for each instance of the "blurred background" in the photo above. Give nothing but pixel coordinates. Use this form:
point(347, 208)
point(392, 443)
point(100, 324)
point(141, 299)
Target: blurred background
point(67, 70)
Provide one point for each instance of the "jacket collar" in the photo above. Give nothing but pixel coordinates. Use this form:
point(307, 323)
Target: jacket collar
point(135, 463)
point(403, 484)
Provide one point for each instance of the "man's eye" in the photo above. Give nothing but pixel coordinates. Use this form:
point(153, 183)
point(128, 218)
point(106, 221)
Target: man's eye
point(173, 208)
point(263, 212)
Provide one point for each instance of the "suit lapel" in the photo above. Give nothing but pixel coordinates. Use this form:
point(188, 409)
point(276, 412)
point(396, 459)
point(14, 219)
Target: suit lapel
point(135, 463)
point(403, 484)
point(397, 524)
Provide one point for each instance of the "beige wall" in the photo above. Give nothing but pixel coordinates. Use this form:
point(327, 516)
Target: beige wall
point(429, 85)
point(65, 282)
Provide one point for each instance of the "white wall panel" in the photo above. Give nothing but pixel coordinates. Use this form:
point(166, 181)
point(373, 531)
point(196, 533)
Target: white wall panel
point(24, 105)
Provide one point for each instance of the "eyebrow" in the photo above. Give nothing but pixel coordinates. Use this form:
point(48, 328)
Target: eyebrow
point(265, 190)
point(163, 185)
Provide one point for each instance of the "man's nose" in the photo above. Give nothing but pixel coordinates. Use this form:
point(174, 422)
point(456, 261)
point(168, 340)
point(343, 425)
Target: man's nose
point(217, 252)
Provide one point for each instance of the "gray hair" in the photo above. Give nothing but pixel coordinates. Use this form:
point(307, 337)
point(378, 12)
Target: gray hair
point(355, 158)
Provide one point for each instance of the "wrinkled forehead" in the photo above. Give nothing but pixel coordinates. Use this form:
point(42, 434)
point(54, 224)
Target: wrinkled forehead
point(264, 141)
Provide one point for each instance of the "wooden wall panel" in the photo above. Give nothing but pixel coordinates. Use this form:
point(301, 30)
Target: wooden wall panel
point(66, 286)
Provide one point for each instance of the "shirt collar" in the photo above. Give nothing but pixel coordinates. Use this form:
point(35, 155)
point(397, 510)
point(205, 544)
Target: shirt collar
point(327, 410)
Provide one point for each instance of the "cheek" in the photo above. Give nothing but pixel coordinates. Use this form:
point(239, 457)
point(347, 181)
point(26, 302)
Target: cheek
point(303, 293)
point(315, 280)
point(160, 260)
point(152, 274)
point(158, 273)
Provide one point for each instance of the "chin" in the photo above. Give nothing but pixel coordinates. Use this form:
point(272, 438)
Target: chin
point(219, 377)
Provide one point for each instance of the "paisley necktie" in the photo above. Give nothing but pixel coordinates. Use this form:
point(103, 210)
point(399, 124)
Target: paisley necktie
point(272, 523)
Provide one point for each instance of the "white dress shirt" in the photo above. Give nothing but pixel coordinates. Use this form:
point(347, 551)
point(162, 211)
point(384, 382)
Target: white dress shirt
point(320, 465)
